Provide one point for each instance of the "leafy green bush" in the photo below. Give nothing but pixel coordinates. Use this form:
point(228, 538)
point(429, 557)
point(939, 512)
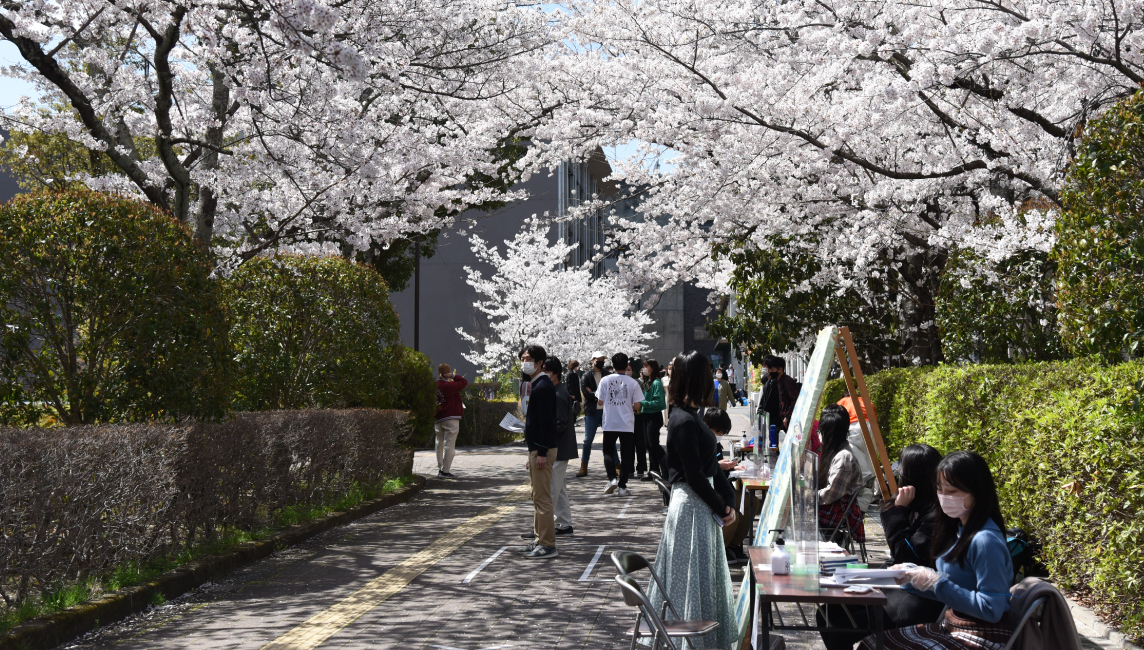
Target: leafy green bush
point(107, 312)
point(409, 385)
point(310, 331)
point(1100, 239)
point(1064, 440)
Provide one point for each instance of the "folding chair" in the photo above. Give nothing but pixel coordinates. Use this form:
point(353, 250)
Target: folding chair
point(664, 490)
point(661, 631)
point(1032, 615)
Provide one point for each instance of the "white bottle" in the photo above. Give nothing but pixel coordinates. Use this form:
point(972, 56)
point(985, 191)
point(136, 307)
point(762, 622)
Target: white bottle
point(780, 559)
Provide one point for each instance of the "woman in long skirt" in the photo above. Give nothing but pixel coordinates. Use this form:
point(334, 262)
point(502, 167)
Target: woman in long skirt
point(691, 561)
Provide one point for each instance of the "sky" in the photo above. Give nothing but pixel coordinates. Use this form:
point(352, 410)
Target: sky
point(12, 89)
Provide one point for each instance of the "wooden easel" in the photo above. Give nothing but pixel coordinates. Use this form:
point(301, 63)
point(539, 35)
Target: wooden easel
point(848, 361)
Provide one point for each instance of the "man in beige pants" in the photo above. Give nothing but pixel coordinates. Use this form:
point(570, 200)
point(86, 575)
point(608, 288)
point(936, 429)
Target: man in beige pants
point(449, 411)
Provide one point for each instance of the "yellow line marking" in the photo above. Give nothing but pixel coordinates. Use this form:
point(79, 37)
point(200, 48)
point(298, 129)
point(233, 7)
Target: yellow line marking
point(323, 625)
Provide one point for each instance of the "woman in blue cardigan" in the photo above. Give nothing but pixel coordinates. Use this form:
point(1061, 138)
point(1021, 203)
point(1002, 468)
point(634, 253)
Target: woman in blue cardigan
point(973, 573)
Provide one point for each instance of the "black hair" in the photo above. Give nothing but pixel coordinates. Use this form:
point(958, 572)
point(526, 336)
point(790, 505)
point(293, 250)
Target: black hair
point(691, 380)
point(833, 426)
point(774, 362)
point(619, 362)
point(717, 419)
point(968, 472)
point(653, 369)
point(536, 352)
point(552, 365)
point(918, 468)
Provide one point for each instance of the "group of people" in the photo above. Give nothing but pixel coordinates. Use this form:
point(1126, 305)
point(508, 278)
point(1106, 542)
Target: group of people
point(944, 525)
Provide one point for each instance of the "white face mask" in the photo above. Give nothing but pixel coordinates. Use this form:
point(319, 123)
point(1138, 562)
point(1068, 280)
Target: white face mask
point(718, 375)
point(528, 368)
point(953, 506)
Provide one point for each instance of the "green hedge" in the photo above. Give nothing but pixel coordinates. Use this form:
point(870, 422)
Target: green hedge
point(1065, 442)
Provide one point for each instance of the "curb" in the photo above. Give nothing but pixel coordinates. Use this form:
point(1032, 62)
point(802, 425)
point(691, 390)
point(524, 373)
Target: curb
point(1096, 628)
point(50, 631)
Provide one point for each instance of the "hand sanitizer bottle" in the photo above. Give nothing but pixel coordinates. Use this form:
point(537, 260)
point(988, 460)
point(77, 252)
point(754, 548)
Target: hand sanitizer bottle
point(780, 559)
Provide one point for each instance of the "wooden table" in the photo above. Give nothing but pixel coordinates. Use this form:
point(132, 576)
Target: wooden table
point(750, 485)
point(767, 588)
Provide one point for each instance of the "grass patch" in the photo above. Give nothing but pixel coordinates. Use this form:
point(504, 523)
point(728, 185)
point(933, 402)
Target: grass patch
point(133, 573)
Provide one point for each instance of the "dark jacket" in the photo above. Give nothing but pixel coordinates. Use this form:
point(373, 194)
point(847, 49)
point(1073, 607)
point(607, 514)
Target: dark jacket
point(565, 424)
point(540, 432)
point(589, 383)
point(572, 381)
point(449, 398)
point(909, 534)
point(692, 458)
point(783, 393)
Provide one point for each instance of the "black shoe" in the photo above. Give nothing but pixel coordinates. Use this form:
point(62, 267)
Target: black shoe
point(735, 555)
point(441, 474)
point(528, 535)
point(640, 475)
point(645, 477)
point(564, 531)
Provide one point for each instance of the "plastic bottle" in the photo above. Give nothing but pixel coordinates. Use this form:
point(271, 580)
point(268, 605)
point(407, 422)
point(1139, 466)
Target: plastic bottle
point(780, 559)
point(774, 435)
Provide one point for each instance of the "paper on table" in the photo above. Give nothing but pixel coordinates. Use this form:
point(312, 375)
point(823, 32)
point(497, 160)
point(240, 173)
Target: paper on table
point(512, 423)
point(844, 575)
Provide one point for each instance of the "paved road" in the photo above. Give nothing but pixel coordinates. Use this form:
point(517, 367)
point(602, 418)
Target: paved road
point(567, 602)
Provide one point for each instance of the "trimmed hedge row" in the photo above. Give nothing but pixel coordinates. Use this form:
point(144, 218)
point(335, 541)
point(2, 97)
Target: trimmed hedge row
point(1065, 441)
point(78, 502)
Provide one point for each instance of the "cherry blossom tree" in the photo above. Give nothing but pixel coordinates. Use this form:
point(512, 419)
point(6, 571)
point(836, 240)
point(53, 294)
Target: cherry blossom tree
point(532, 298)
point(878, 137)
point(287, 124)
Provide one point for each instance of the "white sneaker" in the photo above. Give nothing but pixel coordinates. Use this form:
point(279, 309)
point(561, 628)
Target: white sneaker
point(612, 485)
point(624, 492)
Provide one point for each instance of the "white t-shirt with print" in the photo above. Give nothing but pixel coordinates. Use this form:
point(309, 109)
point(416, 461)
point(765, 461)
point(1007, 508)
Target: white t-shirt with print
point(618, 393)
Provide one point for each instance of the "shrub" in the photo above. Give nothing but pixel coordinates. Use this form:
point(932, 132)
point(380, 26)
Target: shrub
point(84, 501)
point(409, 385)
point(1100, 241)
point(310, 331)
point(107, 312)
point(1064, 441)
point(480, 424)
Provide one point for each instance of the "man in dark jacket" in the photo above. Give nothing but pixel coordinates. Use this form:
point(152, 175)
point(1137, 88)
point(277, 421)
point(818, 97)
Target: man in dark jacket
point(780, 393)
point(566, 451)
point(542, 438)
point(448, 421)
point(593, 416)
point(572, 380)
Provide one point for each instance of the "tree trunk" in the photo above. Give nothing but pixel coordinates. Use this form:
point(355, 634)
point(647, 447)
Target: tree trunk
point(921, 273)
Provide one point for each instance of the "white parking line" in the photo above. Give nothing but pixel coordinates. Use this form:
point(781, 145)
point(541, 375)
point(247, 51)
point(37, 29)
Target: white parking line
point(473, 574)
point(624, 510)
point(584, 577)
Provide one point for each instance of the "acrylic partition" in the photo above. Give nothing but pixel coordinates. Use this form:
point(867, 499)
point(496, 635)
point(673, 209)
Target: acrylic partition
point(803, 521)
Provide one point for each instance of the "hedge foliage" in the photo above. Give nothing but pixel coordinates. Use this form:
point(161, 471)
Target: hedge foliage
point(1065, 442)
point(1100, 237)
point(107, 312)
point(79, 502)
point(309, 331)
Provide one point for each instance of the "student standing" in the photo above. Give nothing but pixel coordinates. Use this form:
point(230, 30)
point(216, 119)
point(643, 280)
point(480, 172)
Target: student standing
point(565, 451)
point(618, 394)
point(593, 416)
point(542, 438)
point(572, 381)
point(448, 422)
point(651, 408)
point(691, 561)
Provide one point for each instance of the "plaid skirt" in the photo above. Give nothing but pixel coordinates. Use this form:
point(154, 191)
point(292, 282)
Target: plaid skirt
point(953, 633)
point(830, 515)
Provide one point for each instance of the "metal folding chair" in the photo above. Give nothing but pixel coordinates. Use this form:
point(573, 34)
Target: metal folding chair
point(664, 490)
point(662, 632)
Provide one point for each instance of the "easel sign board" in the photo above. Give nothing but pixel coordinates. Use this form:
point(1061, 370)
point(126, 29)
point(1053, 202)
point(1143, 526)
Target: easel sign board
point(778, 494)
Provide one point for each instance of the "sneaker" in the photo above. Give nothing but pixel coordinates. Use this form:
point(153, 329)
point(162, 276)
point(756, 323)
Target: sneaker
point(624, 492)
point(612, 485)
point(564, 531)
point(441, 474)
point(645, 477)
point(542, 553)
point(447, 474)
point(528, 548)
point(528, 535)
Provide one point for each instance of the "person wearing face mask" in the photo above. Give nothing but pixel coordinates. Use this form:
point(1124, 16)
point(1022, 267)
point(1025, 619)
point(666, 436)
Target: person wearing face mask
point(908, 520)
point(593, 416)
point(651, 409)
point(448, 422)
point(722, 390)
point(543, 440)
point(972, 569)
point(780, 393)
point(566, 451)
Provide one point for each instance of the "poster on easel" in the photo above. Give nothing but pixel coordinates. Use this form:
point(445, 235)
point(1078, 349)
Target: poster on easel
point(792, 446)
